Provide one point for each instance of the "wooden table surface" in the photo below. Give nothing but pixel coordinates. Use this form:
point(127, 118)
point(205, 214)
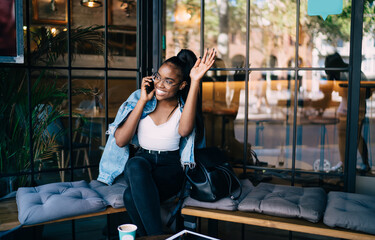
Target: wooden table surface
point(159, 237)
point(363, 84)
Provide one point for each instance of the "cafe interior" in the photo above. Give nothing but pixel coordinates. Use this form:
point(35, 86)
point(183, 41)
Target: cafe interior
point(272, 91)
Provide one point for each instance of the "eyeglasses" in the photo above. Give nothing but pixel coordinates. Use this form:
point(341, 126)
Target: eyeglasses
point(168, 83)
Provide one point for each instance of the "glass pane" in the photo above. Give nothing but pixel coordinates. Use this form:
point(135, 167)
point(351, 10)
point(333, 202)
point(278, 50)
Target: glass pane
point(321, 125)
point(270, 118)
point(50, 125)
point(48, 45)
point(120, 85)
point(88, 120)
point(367, 101)
point(182, 27)
point(273, 34)
point(15, 125)
point(48, 32)
point(225, 30)
point(319, 38)
point(51, 177)
point(221, 100)
point(122, 34)
point(122, 49)
point(86, 174)
point(87, 38)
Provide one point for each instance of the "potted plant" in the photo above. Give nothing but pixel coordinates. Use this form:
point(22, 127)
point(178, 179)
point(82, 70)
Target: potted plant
point(47, 99)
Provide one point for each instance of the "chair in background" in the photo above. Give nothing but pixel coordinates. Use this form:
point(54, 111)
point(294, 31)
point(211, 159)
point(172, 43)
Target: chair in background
point(57, 128)
point(86, 132)
point(89, 129)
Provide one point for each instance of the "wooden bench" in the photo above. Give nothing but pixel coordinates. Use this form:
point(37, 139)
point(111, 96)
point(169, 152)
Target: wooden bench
point(262, 220)
point(9, 215)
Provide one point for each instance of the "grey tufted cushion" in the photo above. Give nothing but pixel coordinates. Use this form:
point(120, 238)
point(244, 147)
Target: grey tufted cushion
point(56, 200)
point(350, 210)
point(113, 194)
point(224, 203)
point(286, 201)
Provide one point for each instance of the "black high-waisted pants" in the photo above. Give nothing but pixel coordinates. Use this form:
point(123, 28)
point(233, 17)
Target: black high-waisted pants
point(152, 178)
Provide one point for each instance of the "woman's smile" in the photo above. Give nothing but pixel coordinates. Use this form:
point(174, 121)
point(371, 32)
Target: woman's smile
point(160, 92)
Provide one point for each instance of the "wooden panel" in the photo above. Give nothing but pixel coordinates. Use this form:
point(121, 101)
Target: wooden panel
point(8, 215)
point(262, 220)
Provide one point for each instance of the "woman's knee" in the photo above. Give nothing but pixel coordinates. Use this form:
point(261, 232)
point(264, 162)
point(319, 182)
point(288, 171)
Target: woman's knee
point(135, 164)
point(128, 195)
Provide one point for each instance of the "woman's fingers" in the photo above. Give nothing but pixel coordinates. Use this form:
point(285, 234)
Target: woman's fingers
point(202, 65)
point(197, 62)
point(205, 56)
point(213, 55)
point(211, 58)
point(147, 80)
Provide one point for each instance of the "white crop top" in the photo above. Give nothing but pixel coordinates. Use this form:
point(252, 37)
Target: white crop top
point(163, 137)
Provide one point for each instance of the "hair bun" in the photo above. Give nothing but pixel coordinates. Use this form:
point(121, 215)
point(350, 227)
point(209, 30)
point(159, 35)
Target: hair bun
point(188, 57)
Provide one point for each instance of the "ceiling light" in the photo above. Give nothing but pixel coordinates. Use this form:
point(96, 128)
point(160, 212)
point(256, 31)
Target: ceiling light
point(91, 3)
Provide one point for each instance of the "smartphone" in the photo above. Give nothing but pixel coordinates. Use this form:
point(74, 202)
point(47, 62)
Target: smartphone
point(150, 87)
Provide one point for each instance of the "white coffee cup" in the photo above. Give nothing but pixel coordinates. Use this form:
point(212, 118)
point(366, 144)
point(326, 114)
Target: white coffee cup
point(127, 231)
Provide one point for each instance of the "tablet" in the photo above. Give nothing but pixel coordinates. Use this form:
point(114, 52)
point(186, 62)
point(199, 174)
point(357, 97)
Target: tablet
point(189, 235)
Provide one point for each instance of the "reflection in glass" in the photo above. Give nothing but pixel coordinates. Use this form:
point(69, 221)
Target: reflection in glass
point(367, 91)
point(84, 174)
point(48, 46)
point(88, 46)
point(225, 30)
point(120, 85)
point(182, 27)
point(88, 119)
point(122, 48)
point(324, 37)
point(317, 121)
point(270, 116)
point(50, 109)
point(221, 99)
point(14, 131)
point(273, 34)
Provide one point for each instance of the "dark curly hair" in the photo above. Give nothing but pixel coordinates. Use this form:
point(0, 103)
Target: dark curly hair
point(185, 61)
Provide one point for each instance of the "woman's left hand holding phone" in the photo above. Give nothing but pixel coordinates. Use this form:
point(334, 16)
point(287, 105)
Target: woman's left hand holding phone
point(126, 131)
point(147, 89)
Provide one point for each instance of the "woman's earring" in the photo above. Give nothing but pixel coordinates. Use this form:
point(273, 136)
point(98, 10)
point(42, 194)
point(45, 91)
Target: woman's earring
point(182, 86)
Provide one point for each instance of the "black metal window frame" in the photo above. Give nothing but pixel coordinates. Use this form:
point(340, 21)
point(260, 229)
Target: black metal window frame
point(144, 50)
point(28, 67)
point(353, 89)
point(149, 56)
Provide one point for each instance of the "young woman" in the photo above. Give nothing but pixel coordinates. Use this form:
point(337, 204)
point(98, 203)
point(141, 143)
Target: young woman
point(166, 123)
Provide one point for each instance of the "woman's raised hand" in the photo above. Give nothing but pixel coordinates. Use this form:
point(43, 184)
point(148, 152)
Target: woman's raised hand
point(202, 65)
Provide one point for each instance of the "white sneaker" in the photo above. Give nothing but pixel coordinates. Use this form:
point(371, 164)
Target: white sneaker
point(337, 167)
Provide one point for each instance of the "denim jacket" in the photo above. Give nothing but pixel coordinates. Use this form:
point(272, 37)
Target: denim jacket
point(114, 158)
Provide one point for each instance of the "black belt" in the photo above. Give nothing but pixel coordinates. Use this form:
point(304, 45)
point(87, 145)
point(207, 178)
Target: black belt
point(157, 152)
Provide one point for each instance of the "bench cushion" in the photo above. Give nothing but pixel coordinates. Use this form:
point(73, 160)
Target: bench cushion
point(55, 201)
point(224, 203)
point(286, 201)
point(113, 194)
point(350, 210)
